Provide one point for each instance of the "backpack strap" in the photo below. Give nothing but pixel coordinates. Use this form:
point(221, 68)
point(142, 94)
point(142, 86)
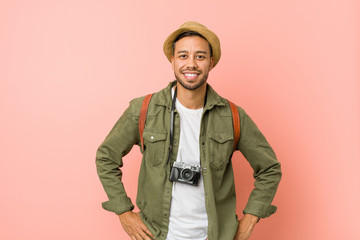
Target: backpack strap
point(142, 118)
point(236, 123)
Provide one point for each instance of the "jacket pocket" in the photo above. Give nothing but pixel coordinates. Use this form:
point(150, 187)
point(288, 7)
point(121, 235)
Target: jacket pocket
point(220, 148)
point(154, 146)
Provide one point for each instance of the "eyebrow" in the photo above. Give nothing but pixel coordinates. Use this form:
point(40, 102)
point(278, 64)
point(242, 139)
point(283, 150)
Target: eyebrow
point(185, 51)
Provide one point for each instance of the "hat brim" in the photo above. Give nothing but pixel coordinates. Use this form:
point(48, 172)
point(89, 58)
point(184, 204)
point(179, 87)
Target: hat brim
point(205, 32)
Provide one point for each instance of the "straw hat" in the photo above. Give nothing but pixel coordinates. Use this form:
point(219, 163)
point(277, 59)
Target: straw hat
point(196, 27)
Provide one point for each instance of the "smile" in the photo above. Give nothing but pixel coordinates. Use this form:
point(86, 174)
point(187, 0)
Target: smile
point(190, 76)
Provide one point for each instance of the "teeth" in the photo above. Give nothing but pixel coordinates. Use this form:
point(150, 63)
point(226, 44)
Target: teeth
point(190, 74)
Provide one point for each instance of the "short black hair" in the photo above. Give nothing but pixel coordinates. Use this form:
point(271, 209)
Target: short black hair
point(189, 34)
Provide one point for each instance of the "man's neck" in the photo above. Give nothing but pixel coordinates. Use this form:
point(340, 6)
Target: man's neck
point(192, 99)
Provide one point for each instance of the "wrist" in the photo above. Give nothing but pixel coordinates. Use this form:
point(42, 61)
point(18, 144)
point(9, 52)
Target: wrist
point(124, 214)
point(252, 218)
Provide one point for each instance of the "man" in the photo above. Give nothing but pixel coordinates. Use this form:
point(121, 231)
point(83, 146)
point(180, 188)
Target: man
point(188, 126)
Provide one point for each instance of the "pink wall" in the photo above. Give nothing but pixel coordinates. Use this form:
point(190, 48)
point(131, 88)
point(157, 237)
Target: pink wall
point(69, 68)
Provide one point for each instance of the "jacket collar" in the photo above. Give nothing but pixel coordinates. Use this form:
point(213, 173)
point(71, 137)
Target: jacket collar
point(163, 98)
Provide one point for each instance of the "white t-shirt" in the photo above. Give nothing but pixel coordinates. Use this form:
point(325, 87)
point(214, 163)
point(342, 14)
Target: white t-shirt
point(188, 217)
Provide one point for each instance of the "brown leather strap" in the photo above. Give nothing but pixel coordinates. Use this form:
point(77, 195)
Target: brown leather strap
point(236, 123)
point(142, 118)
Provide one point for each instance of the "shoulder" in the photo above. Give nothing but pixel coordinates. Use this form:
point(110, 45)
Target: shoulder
point(160, 98)
point(135, 106)
point(223, 104)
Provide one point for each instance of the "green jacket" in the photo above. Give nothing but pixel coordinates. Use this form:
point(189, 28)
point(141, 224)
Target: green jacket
point(216, 144)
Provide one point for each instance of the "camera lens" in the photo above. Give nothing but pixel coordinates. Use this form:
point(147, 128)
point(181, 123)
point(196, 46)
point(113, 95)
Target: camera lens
point(187, 174)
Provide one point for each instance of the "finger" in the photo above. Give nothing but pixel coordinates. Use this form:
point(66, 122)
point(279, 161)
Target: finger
point(147, 231)
point(140, 232)
point(150, 234)
point(144, 236)
point(134, 232)
point(144, 232)
point(144, 227)
point(138, 237)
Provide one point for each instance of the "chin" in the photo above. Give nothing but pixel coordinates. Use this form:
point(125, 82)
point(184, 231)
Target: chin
point(191, 85)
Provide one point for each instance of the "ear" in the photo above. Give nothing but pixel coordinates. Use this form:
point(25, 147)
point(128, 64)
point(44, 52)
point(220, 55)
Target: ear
point(211, 63)
point(172, 62)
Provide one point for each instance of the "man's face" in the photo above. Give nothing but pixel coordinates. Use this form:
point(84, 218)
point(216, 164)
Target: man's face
point(192, 62)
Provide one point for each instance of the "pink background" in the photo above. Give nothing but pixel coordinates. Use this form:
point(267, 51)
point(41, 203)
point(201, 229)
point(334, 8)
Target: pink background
point(69, 68)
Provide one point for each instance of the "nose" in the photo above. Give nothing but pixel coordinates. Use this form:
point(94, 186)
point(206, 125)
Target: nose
point(192, 64)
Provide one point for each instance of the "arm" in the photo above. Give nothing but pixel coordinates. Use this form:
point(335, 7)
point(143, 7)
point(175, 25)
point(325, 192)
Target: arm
point(109, 157)
point(246, 226)
point(267, 170)
point(109, 160)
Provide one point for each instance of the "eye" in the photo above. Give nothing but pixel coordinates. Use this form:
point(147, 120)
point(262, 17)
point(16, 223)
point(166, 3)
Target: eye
point(182, 56)
point(200, 56)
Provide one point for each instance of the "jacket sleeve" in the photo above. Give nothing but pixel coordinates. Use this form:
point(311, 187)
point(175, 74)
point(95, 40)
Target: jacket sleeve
point(267, 170)
point(109, 160)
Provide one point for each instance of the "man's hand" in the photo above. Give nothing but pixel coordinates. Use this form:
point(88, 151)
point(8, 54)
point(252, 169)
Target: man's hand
point(134, 227)
point(246, 226)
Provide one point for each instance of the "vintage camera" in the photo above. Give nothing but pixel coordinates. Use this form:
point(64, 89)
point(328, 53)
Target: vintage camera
point(185, 173)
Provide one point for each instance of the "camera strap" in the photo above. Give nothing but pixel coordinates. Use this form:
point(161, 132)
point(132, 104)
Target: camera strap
point(172, 124)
